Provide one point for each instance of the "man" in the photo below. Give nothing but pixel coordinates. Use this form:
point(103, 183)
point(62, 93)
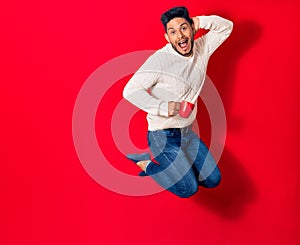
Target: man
point(167, 86)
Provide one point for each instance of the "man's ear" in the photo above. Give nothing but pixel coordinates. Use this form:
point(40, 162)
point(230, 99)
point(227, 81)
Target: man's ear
point(193, 28)
point(166, 37)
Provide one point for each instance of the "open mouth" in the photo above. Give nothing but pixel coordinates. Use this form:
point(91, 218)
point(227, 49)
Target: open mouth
point(183, 44)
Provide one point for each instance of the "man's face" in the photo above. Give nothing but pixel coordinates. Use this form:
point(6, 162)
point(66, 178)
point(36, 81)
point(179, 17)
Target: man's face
point(180, 34)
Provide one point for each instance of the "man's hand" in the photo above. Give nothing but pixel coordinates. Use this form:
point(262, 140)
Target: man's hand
point(173, 108)
point(196, 24)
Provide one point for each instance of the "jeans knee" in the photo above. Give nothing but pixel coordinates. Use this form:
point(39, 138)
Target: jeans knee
point(189, 191)
point(212, 181)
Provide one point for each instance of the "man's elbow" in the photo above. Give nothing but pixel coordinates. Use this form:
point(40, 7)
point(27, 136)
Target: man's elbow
point(230, 26)
point(129, 94)
point(126, 92)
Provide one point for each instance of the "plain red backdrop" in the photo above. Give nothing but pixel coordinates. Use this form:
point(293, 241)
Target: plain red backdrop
point(48, 50)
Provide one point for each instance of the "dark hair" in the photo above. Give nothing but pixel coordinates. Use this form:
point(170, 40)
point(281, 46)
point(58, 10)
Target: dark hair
point(176, 12)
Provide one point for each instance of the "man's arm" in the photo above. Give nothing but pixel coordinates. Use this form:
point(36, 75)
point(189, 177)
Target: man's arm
point(137, 89)
point(219, 29)
point(137, 94)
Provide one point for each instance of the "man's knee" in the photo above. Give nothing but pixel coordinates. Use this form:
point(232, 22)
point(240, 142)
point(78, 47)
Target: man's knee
point(189, 191)
point(213, 180)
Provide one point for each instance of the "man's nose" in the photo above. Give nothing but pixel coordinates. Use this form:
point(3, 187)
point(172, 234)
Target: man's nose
point(180, 34)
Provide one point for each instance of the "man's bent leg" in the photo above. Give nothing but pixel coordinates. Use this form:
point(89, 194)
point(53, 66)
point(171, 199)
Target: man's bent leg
point(174, 171)
point(204, 165)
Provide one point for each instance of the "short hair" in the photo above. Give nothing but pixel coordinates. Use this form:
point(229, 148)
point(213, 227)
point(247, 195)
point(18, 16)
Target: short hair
point(177, 12)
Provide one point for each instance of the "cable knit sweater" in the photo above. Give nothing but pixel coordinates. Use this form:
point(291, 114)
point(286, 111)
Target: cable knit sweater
point(168, 76)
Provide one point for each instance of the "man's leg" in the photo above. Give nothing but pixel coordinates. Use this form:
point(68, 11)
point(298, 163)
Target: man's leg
point(174, 170)
point(204, 165)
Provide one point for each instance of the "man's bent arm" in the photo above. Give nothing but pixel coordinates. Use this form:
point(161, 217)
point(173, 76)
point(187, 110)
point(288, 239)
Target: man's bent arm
point(219, 29)
point(136, 92)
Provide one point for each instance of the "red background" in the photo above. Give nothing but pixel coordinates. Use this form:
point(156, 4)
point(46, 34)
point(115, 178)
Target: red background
point(48, 50)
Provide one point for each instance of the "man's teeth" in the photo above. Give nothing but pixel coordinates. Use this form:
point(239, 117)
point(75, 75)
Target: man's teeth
point(182, 43)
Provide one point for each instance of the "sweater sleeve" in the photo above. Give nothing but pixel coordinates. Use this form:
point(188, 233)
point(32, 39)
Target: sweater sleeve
point(219, 30)
point(137, 89)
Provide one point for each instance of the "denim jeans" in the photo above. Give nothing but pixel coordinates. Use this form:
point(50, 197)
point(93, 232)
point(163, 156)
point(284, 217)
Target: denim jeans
point(183, 161)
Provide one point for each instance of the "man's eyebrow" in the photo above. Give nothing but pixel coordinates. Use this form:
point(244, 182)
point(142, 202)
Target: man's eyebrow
point(177, 26)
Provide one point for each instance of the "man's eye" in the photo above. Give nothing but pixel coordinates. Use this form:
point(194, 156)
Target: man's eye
point(184, 28)
point(172, 32)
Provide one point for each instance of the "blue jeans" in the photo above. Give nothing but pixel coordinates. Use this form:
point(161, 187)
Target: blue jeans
point(184, 161)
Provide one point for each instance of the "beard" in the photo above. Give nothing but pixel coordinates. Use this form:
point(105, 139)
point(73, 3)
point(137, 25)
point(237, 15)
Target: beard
point(187, 54)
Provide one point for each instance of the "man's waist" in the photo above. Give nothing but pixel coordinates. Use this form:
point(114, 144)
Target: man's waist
point(177, 131)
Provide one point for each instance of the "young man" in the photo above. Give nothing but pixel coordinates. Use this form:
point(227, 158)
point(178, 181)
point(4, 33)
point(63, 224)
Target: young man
point(167, 86)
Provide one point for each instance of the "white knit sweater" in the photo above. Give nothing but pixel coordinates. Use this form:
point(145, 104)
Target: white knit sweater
point(169, 76)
